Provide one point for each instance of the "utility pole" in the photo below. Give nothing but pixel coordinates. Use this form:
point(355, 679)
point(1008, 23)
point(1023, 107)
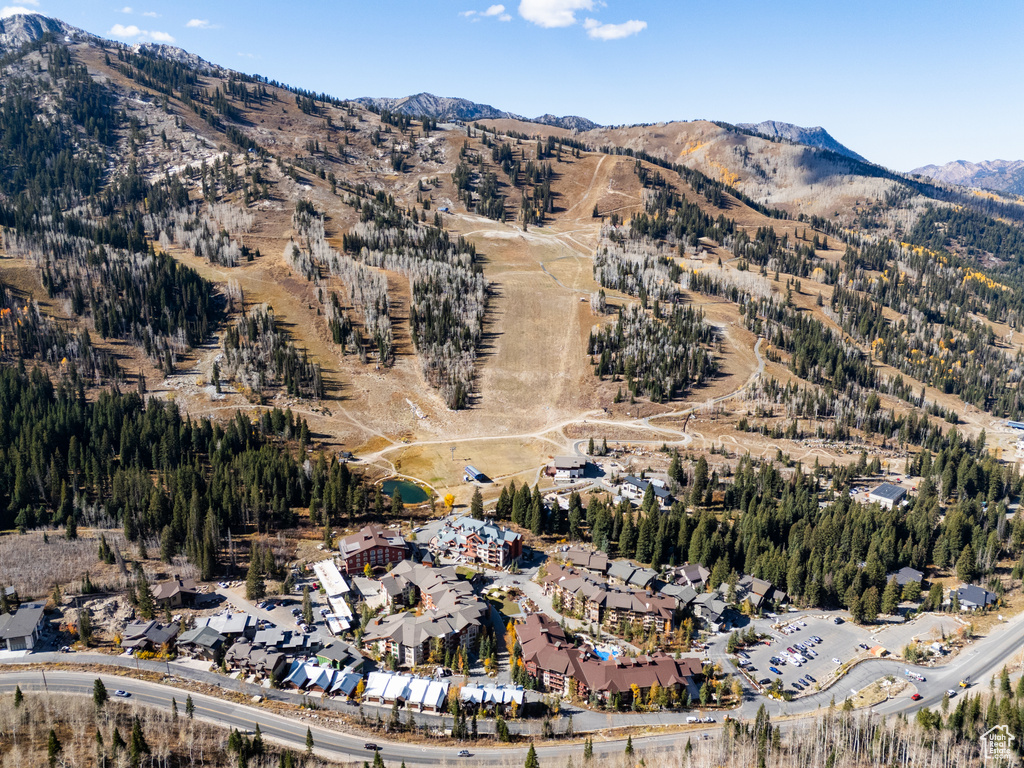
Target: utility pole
point(45, 686)
point(453, 452)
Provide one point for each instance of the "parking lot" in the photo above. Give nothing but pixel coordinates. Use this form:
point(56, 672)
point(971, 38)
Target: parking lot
point(837, 641)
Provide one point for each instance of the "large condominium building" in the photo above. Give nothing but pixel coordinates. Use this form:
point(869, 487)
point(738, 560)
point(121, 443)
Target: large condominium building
point(450, 613)
point(479, 541)
point(564, 669)
point(372, 546)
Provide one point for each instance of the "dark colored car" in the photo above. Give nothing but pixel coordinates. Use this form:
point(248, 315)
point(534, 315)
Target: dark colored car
point(371, 746)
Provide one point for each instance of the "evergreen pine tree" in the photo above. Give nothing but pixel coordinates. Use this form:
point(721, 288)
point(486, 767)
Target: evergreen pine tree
point(18, 697)
point(118, 742)
point(521, 506)
point(146, 605)
point(531, 758)
point(255, 585)
point(891, 597)
point(190, 708)
point(476, 505)
point(307, 605)
point(53, 748)
point(627, 539)
point(99, 693)
point(137, 746)
point(309, 741)
point(536, 513)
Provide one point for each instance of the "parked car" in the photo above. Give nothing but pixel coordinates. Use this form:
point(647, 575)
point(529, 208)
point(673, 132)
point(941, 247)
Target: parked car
point(774, 670)
point(951, 692)
point(837, 620)
point(835, 660)
point(808, 677)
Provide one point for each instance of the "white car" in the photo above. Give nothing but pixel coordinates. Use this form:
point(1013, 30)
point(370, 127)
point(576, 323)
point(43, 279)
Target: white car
point(837, 661)
point(121, 694)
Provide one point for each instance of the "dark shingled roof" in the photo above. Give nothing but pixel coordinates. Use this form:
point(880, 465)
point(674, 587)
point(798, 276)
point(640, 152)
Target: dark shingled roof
point(889, 491)
point(22, 622)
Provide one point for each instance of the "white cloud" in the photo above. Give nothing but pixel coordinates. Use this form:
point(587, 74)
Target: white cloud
point(15, 10)
point(599, 31)
point(127, 9)
point(248, 55)
point(493, 11)
point(199, 24)
point(553, 13)
point(120, 30)
point(151, 14)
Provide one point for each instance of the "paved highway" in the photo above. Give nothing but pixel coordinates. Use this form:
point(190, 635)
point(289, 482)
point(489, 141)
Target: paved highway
point(291, 731)
point(979, 661)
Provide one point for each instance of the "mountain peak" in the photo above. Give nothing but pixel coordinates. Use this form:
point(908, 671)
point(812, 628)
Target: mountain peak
point(811, 137)
point(23, 28)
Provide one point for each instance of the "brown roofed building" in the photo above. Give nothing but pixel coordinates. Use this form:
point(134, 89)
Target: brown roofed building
point(563, 669)
point(598, 601)
point(372, 546)
point(175, 593)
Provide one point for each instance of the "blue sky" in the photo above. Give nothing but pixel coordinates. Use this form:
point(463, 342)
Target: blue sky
point(903, 83)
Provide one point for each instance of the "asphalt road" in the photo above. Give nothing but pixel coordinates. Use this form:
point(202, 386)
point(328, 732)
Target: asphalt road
point(291, 731)
point(982, 660)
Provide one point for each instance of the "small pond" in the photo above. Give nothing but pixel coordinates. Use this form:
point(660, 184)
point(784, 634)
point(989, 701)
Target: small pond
point(411, 493)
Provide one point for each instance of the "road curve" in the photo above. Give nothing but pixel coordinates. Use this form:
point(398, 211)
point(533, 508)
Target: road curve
point(984, 658)
point(291, 731)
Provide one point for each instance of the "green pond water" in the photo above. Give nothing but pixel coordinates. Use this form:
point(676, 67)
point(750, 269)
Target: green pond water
point(411, 493)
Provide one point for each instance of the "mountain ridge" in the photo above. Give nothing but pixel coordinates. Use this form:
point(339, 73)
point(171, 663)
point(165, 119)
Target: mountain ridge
point(998, 175)
point(456, 108)
point(811, 137)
